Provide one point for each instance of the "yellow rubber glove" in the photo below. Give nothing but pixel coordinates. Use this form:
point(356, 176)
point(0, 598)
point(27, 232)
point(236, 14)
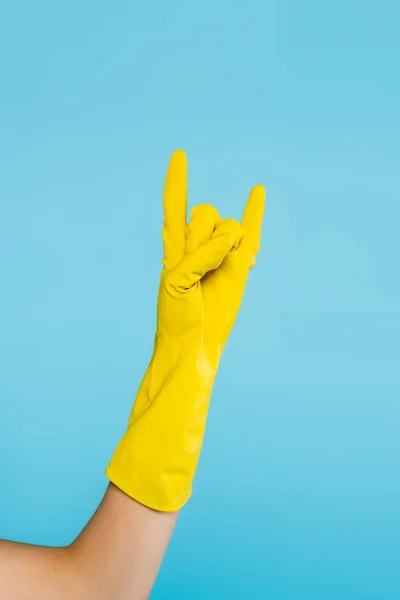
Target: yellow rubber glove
point(206, 265)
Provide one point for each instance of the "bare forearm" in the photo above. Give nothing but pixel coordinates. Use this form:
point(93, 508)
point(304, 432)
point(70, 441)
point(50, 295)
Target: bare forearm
point(117, 556)
point(122, 547)
point(37, 573)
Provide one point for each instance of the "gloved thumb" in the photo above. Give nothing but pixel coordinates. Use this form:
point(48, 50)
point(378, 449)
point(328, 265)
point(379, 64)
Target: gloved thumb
point(206, 257)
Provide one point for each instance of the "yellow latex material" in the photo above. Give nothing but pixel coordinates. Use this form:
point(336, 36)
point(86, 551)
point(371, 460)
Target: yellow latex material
point(206, 265)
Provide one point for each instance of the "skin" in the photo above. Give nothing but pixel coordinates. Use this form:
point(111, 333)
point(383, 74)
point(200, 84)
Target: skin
point(118, 554)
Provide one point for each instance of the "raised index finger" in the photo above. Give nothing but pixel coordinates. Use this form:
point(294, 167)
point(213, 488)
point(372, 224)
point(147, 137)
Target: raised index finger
point(175, 195)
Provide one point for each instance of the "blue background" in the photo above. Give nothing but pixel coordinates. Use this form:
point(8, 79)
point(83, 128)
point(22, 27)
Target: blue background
point(298, 491)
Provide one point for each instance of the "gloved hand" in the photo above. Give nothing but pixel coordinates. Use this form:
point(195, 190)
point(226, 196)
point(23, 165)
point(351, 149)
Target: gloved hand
point(206, 265)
